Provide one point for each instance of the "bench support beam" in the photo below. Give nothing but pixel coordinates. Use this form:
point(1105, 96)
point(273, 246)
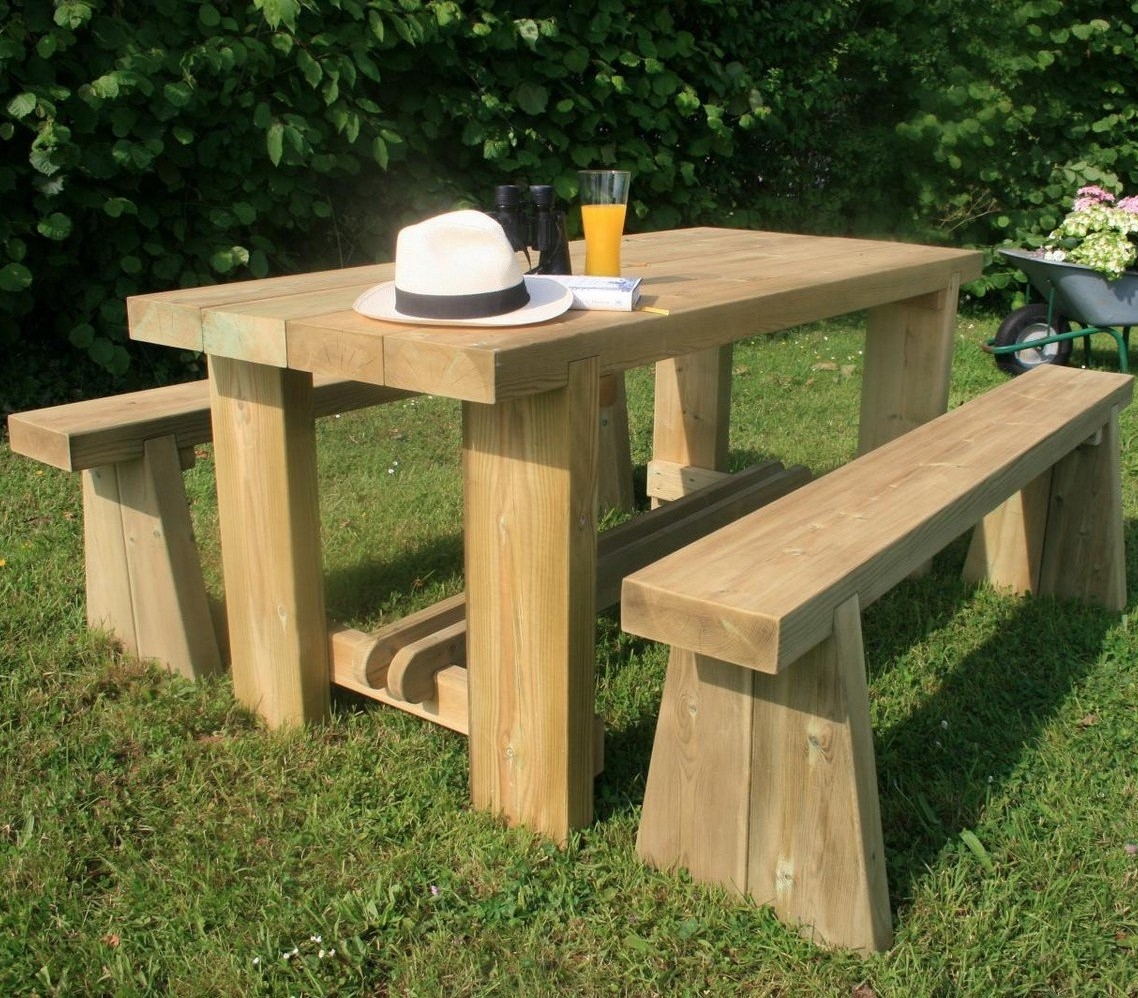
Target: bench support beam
point(1062, 535)
point(144, 579)
point(767, 785)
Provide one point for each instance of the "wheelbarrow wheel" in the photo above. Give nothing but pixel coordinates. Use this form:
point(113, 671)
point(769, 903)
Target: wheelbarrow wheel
point(1025, 326)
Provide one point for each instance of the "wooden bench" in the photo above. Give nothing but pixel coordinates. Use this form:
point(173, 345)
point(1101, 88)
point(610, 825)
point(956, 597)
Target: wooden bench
point(762, 775)
point(143, 574)
point(144, 579)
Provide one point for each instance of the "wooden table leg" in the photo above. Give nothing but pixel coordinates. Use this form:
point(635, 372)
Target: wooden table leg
point(908, 364)
point(614, 481)
point(692, 419)
point(265, 449)
point(529, 467)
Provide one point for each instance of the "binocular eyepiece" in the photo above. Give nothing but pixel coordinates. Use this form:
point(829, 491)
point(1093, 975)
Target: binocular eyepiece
point(534, 224)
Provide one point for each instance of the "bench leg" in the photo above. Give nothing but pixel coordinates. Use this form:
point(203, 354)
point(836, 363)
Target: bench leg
point(1083, 551)
point(144, 578)
point(767, 785)
point(1063, 534)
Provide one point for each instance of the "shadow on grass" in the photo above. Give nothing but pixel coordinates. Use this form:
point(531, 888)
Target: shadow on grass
point(369, 586)
point(938, 764)
point(939, 760)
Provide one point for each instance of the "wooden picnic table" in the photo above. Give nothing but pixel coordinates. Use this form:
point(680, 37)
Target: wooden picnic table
point(530, 400)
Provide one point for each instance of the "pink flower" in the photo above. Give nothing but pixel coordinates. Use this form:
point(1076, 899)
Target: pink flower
point(1088, 197)
point(1129, 204)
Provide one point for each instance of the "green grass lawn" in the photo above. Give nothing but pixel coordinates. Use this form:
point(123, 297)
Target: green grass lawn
point(156, 839)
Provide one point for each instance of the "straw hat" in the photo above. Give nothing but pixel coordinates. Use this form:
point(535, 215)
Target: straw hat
point(458, 269)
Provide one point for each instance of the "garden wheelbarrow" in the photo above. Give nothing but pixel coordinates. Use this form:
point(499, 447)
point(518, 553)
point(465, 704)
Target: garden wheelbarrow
point(1041, 332)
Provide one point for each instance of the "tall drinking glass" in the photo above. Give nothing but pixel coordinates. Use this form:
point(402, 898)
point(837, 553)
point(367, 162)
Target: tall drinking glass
point(604, 201)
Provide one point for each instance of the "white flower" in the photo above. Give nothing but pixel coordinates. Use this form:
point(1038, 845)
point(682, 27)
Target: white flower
point(1097, 233)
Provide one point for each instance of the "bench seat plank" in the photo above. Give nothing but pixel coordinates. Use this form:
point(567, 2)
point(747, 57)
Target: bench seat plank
point(763, 590)
point(76, 436)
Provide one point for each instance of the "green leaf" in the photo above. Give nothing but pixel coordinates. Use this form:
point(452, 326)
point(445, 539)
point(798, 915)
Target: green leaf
point(309, 67)
point(15, 277)
point(532, 98)
point(106, 87)
point(102, 351)
point(527, 31)
point(57, 226)
point(278, 12)
point(82, 335)
point(223, 261)
point(119, 362)
point(274, 142)
point(209, 15)
point(115, 207)
point(576, 59)
point(72, 13)
point(22, 105)
point(379, 151)
point(246, 214)
point(178, 94)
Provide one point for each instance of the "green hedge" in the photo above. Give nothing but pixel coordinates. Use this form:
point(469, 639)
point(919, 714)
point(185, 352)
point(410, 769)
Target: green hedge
point(1038, 102)
point(168, 143)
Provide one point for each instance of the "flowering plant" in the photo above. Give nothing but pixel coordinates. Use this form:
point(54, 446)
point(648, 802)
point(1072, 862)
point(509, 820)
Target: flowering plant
point(1099, 232)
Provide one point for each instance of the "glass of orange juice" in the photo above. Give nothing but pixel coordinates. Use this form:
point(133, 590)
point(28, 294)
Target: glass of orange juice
point(604, 201)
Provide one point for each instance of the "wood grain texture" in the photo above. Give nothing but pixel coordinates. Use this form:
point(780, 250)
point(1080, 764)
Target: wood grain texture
point(816, 851)
point(144, 579)
point(718, 285)
point(668, 481)
point(767, 785)
point(110, 604)
point(691, 416)
point(1083, 550)
point(529, 469)
point(614, 469)
point(1007, 545)
point(762, 591)
point(697, 799)
point(95, 432)
point(265, 450)
point(173, 621)
point(908, 364)
point(411, 676)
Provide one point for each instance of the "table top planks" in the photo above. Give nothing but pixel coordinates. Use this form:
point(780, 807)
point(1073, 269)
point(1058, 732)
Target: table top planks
point(717, 285)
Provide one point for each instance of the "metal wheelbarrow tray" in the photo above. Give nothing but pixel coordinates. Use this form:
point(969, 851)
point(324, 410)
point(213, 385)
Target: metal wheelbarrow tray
point(1040, 333)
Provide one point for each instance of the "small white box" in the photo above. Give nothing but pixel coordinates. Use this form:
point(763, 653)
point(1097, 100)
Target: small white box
point(609, 294)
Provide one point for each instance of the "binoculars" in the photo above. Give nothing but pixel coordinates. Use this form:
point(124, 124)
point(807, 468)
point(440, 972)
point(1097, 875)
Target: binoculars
point(535, 225)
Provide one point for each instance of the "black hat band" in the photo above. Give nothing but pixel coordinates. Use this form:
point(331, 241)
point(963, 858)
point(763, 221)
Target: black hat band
point(472, 306)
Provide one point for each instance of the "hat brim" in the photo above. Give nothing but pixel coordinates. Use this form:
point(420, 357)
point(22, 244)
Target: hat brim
point(547, 300)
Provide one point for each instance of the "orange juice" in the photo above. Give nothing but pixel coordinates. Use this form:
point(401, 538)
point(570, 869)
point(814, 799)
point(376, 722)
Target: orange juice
point(604, 225)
